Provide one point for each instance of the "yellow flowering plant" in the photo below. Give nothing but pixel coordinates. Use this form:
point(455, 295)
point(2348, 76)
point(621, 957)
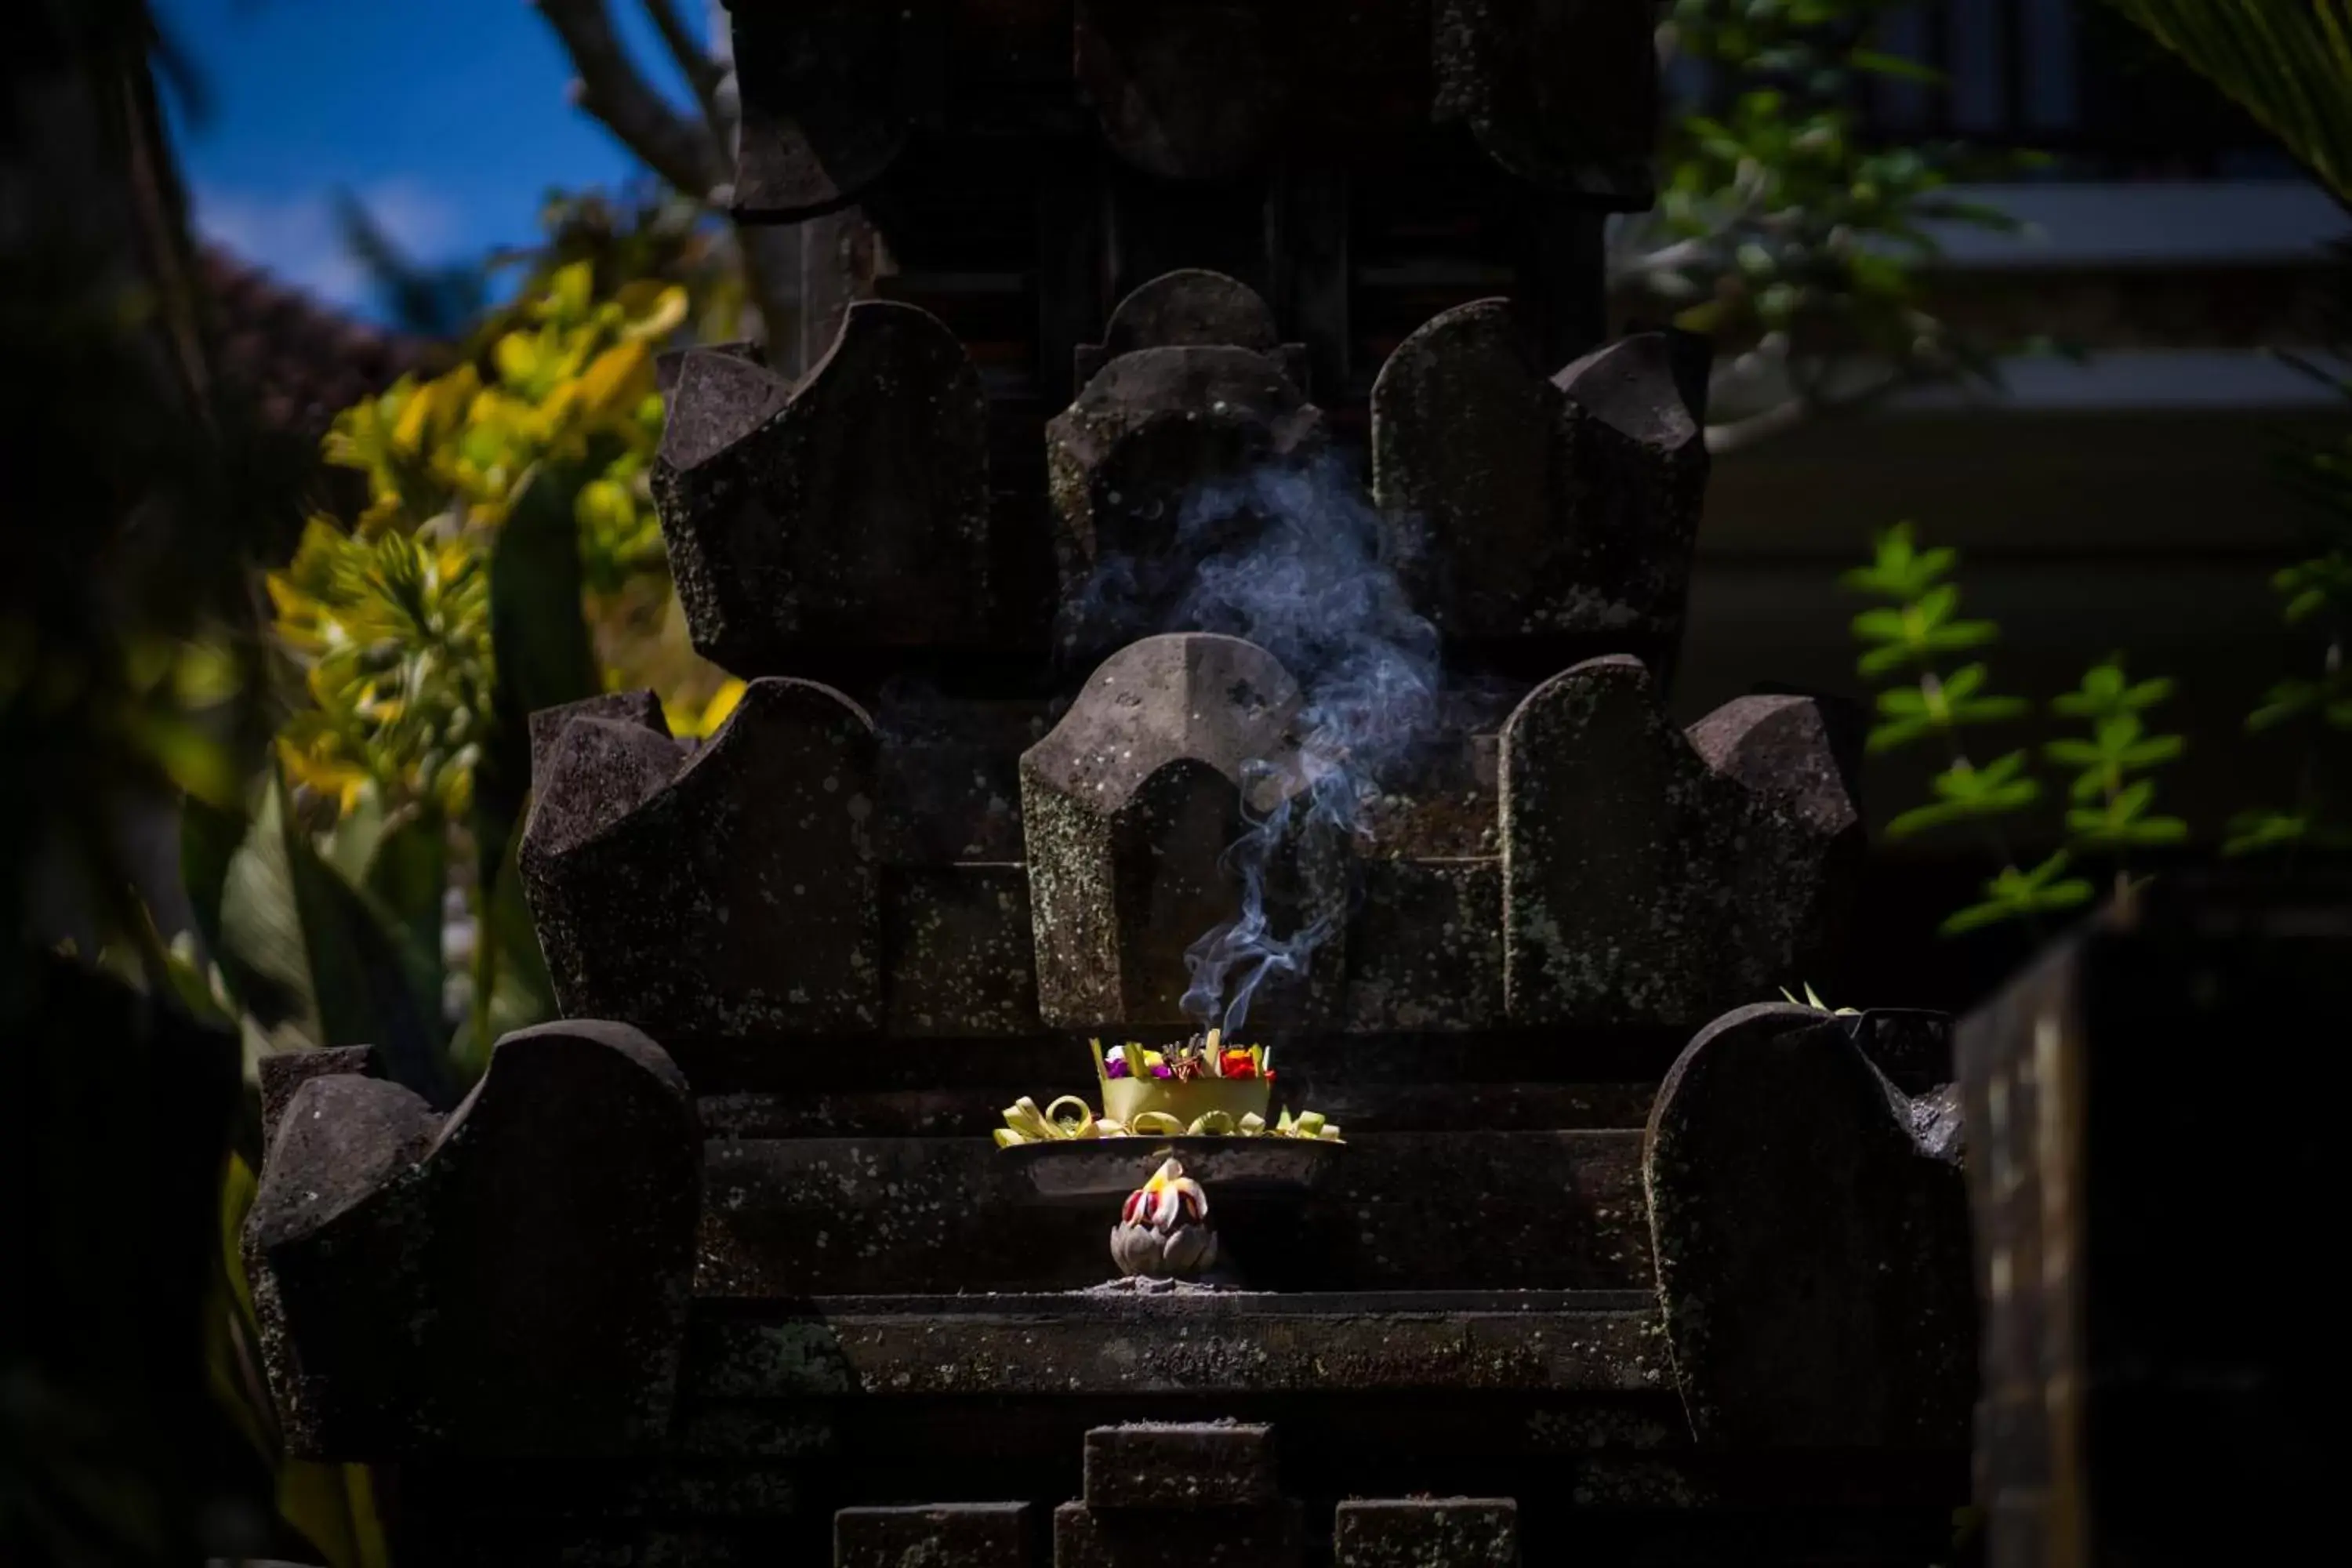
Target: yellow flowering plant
point(501, 555)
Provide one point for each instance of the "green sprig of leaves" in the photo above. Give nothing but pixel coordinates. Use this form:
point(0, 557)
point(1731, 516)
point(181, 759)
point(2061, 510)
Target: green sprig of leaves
point(2112, 801)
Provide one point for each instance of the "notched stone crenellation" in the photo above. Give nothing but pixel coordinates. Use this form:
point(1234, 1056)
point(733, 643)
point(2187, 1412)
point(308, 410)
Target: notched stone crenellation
point(848, 510)
point(1129, 806)
point(1532, 505)
point(732, 892)
point(1658, 877)
point(1187, 393)
point(1811, 1233)
point(511, 1280)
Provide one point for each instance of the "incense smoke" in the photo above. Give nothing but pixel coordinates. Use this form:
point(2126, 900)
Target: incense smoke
point(1303, 576)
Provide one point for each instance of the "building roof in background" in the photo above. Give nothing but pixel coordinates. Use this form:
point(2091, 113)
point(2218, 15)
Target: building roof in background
point(303, 360)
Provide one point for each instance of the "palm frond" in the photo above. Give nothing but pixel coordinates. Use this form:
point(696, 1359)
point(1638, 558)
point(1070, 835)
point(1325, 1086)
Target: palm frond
point(2288, 63)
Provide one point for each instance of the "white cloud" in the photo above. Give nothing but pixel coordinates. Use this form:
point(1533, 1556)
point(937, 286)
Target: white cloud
point(296, 238)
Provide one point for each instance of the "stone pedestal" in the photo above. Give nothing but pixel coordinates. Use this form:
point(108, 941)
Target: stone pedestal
point(1160, 1496)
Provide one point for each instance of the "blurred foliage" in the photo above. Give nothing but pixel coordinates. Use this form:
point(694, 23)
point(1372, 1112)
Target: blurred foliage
point(2288, 63)
point(2312, 710)
point(1917, 631)
point(1784, 233)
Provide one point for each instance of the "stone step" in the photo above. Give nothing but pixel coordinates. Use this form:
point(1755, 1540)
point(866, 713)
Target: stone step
point(803, 1217)
point(1227, 1343)
point(1161, 1464)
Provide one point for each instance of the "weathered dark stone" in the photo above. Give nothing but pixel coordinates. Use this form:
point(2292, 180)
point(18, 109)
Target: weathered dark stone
point(1651, 876)
point(1152, 432)
point(1528, 505)
point(880, 1214)
point(847, 510)
point(630, 710)
point(283, 1072)
point(1184, 90)
point(1181, 1465)
point(1221, 1344)
point(1426, 1532)
point(1129, 806)
point(735, 893)
point(1632, 477)
point(964, 1534)
point(959, 954)
point(1188, 308)
point(511, 1280)
point(1911, 1045)
point(1563, 93)
point(1426, 946)
point(1269, 1536)
point(1465, 429)
point(2137, 1405)
point(1812, 1245)
point(340, 1373)
point(824, 91)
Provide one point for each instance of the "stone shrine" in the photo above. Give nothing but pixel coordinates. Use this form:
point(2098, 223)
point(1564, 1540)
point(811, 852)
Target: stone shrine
point(1621, 1261)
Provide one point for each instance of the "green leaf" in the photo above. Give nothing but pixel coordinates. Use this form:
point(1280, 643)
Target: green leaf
point(1881, 624)
point(1877, 63)
point(2153, 750)
point(1886, 737)
point(315, 960)
point(511, 987)
point(1988, 710)
point(2288, 65)
point(1902, 703)
point(1956, 637)
point(2073, 753)
point(545, 653)
point(2015, 894)
point(1884, 660)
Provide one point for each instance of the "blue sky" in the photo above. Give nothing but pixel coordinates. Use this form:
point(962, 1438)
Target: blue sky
point(447, 117)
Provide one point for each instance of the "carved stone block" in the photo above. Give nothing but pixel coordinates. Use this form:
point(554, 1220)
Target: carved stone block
point(732, 893)
point(1190, 308)
point(1129, 807)
point(1811, 1228)
point(1160, 426)
point(1529, 505)
point(1270, 1536)
point(2138, 1404)
point(1181, 1465)
point(510, 1281)
point(1651, 876)
point(1426, 1532)
point(849, 510)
